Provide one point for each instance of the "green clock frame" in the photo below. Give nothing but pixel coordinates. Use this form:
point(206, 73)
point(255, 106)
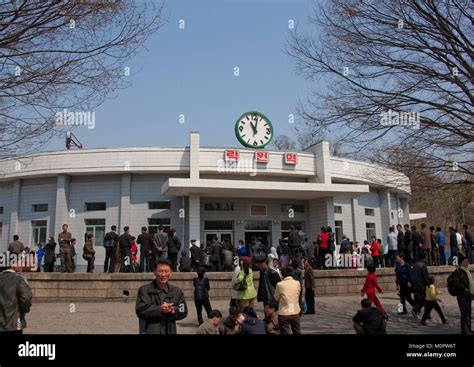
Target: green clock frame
point(243, 142)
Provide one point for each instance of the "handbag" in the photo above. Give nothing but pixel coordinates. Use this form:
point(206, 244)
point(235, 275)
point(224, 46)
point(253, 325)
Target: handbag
point(242, 285)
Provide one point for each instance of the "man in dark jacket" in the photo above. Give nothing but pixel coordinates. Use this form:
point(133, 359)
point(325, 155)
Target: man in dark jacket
point(230, 325)
point(417, 243)
point(161, 243)
point(400, 240)
point(49, 255)
point(453, 244)
point(174, 245)
point(185, 263)
point(269, 279)
point(404, 283)
point(252, 325)
point(125, 241)
point(408, 244)
point(15, 299)
point(110, 241)
point(420, 281)
point(464, 287)
point(216, 250)
point(159, 305)
point(369, 320)
point(196, 255)
point(469, 244)
point(145, 240)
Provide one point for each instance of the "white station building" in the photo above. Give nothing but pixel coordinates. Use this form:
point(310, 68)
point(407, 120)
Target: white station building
point(201, 192)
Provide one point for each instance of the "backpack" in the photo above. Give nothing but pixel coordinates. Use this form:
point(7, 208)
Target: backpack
point(109, 243)
point(200, 291)
point(450, 282)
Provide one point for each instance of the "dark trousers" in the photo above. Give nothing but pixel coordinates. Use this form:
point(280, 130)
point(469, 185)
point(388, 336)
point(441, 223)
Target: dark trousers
point(442, 255)
point(49, 267)
point(376, 261)
point(322, 257)
point(391, 258)
point(420, 295)
point(405, 295)
point(109, 263)
point(145, 261)
point(174, 260)
point(289, 322)
point(90, 263)
point(207, 307)
point(429, 305)
point(465, 308)
point(309, 297)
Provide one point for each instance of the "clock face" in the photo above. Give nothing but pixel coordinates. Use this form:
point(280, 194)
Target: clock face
point(254, 130)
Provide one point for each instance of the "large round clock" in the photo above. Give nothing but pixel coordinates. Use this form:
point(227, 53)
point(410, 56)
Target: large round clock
point(254, 130)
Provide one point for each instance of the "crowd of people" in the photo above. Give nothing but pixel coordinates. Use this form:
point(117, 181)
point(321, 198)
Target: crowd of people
point(286, 285)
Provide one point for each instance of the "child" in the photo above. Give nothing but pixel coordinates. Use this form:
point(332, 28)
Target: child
point(201, 294)
point(369, 288)
point(134, 255)
point(431, 302)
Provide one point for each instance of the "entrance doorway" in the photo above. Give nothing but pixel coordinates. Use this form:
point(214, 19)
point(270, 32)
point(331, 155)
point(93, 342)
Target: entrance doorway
point(222, 229)
point(259, 229)
point(221, 236)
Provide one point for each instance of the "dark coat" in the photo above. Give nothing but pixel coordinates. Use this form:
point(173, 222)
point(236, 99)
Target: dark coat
point(420, 275)
point(145, 240)
point(269, 279)
point(149, 299)
point(15, 300)
point(253, 326)
point(403, 274)
point(461, 284)
point(371, 319)
point(185, 264)
point(196, 254)
point(174, 245)
point(49, 256)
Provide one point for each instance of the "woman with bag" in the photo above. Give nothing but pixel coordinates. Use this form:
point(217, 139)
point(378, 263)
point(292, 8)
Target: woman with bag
point(244, 287)
point(89, 252)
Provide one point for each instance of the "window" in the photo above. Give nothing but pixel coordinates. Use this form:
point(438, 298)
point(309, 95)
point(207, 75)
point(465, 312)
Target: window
point(297, 208)
point(40, 207)
point(369, 212)
point(159, 204)
point(257, 210)
point(338, 231)
point(1, 209)
point(97, 228)
point(218, 225)
point(219, 207)
point(370, 230)
point(38, 231)
point(257, 225)
point(95, 206)
point(337, 209)
point(155, 223)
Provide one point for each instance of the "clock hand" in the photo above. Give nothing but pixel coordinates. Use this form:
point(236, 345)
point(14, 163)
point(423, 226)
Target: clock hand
point(253, 128)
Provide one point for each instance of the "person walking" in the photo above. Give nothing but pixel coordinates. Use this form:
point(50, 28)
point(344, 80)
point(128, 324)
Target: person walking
point(201, 294)
point(404, 283)
point(464, 291)
point(269, 279)
point(369, 288)
point(431, 302)
point(420, 281)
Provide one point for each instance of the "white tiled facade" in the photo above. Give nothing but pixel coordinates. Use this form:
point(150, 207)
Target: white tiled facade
point(190, 178)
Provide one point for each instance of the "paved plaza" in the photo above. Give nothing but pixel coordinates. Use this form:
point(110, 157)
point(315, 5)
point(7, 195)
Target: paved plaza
point(333, 316)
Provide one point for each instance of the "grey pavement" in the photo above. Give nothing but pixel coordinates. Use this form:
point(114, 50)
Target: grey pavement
point(333, 316)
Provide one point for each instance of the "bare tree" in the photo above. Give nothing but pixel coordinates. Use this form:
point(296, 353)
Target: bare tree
point(57, 55)
point(394, 77)
point(283, 142)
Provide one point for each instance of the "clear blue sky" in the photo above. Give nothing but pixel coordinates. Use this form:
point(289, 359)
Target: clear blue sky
point(191, 71)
